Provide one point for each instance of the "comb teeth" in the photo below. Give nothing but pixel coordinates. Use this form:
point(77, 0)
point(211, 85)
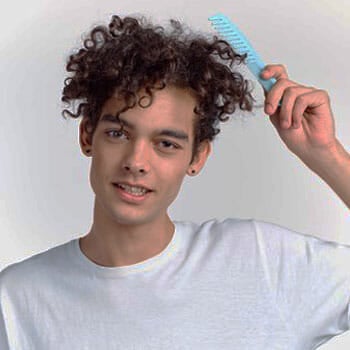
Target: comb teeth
point(230, 32)
point(219, 17)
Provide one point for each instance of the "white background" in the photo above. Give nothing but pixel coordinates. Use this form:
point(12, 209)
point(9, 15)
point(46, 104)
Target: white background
point(45, 195)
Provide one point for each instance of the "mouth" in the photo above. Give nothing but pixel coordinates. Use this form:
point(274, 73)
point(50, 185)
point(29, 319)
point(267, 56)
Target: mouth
point(132, 192)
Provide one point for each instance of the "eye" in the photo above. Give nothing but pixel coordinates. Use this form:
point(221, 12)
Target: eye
point(169, 145)
point(119, 133)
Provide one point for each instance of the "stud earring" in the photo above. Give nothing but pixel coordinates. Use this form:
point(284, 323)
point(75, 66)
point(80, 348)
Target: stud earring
point(87, 151)
point(193, 171)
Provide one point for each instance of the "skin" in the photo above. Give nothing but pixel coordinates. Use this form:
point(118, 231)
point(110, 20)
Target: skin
point(124, 233)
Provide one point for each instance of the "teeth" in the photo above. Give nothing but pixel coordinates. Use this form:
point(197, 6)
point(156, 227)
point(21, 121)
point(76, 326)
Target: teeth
point(133, 190)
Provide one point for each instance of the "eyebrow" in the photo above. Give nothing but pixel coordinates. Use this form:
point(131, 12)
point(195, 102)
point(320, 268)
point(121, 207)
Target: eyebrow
point(178, 134)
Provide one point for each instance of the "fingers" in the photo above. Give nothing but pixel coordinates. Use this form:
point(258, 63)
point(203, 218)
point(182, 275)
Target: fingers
point(293, 107)
point(312, 99)
point(277, 71)
point(284, 95)
point(293, 103)
point(274, 96)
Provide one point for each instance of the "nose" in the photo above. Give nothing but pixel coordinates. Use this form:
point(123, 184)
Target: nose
point(136, 159)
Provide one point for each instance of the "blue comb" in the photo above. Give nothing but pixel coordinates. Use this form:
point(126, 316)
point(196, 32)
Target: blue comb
point(230, 32)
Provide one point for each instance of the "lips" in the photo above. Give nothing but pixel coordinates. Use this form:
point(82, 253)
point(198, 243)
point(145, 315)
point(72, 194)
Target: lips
point(130, 197)
point(132, 185)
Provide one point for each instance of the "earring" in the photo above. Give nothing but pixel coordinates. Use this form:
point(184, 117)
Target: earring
point(193, 171)
point(87, 151)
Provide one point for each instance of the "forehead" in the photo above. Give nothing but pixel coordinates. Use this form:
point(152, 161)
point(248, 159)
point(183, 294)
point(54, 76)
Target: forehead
point(169, 105)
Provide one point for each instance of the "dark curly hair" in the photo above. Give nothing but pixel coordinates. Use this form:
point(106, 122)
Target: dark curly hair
point(130, 55)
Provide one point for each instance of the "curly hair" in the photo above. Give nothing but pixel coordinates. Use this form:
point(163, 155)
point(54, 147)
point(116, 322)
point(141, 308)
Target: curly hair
point(131, 54)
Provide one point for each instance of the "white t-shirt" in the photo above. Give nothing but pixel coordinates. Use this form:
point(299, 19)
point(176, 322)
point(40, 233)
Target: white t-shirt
point(231, 284)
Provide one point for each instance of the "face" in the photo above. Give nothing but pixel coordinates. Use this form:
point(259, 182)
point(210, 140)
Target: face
point(153, 149)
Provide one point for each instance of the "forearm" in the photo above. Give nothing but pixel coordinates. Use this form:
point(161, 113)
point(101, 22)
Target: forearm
point(334, 168)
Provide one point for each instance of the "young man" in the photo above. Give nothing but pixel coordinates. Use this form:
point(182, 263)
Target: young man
point(137, 279)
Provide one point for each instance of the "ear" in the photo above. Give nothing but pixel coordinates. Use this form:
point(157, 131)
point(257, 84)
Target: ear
point(205, 149)
point(84, 137)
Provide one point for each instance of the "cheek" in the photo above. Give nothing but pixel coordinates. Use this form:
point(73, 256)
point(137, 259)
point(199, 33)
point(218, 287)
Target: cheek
point(99, 171)
point(94, 174)
point(173, 177)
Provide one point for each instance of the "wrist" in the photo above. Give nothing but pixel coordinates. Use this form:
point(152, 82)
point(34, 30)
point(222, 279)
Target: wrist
point(330, 162)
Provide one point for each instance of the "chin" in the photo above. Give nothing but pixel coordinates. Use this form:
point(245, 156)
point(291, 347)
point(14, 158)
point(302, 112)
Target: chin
point(130, 220)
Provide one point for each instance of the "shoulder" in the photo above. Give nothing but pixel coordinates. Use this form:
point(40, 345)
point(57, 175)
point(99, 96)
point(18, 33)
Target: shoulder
point(217, 226)
point(227, 231)
point(265, 235)
point(33, 268)
point(297, 251)
point(278, 235)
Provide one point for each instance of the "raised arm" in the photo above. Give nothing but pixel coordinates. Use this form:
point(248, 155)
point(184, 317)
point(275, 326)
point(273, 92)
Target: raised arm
point(305, 123)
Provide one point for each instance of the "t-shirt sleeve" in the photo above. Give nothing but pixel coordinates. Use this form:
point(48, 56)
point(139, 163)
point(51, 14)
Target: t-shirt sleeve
point(3, 334)
point(3, 337)
point(309, 278)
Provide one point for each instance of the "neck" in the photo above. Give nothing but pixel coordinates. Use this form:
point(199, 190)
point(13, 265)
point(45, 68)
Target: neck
point(114, 243)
